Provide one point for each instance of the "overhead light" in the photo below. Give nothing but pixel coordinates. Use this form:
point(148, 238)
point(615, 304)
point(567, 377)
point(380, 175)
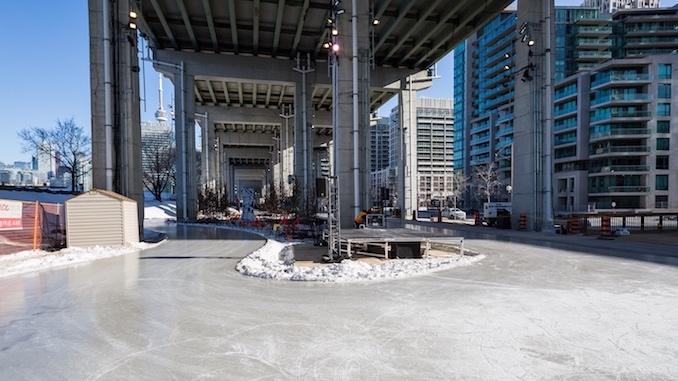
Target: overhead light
point(506, 55)
point(132, 14)
point(525, 37)
point(506, 67)
point(132, 25)
point(327, 45)
point(375, 22)
point(523, 28)
point(530, 43)
point(335, 48)
point(335, 31)
point(337, 2)
point(340, 12)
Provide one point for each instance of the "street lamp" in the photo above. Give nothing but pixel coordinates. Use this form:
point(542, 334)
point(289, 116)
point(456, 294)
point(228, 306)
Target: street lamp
point(509, 187)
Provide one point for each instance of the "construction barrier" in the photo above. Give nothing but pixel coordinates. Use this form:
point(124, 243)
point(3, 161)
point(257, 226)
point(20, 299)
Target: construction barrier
point(574, 225)
point(522, 222)
point(476, 218)
point(605, 232)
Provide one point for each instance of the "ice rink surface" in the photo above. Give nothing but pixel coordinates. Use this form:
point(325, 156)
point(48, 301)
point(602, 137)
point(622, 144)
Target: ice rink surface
point(180, 311)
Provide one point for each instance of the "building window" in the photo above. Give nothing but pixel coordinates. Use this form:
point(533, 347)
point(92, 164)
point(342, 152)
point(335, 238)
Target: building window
point(661, 202)
point(663, 144)
point(662, 162)
point(664, 71)
point(661, 182)
point(664, 109)
point(663, 127)
point(664, 90)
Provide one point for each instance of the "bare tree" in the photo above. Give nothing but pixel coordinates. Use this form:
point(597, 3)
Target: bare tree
point(65, 142)
point(157, 158)
point(486, 180)
point(459, 185)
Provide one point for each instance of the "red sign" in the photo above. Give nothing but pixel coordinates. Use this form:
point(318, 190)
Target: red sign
point(10, 215)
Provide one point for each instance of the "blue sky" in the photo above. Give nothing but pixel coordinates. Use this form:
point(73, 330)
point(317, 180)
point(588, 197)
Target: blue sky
point(45, 70)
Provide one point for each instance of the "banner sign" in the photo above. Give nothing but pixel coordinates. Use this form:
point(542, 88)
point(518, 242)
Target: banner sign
point(10, 215)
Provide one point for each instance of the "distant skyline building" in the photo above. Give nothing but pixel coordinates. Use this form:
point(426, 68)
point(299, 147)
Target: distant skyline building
point(434, 118)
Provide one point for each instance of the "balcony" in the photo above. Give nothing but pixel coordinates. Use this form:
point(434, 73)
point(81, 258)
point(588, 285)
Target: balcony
point(482, 139)
point(586, 55)
point(565, 124)
point(504, 131)
point(619, 150)
point(505, 117)
point(478, 151)
point(593, 43)
point(480, 128)
point(615, 79)
point(611, 116)
point(560, 141)
point(594, 31)
point(623, 98)
point(621, 169)
point(561, 111)
point(621, 132)
point(626, 189)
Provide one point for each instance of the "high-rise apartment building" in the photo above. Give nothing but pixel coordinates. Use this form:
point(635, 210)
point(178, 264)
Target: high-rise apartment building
point(612, 104)
point(611, 6)
point(434, 120)
point(614, 145)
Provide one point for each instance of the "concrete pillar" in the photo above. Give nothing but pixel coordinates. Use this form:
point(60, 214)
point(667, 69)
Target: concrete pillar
point(353, 68)
point(116, 127)
point(303, 131)
point(184, 122)
point(407, 170)
point(531, 169)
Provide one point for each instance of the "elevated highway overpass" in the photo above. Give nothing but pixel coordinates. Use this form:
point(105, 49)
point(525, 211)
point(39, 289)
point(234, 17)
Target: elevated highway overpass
point(258, 76)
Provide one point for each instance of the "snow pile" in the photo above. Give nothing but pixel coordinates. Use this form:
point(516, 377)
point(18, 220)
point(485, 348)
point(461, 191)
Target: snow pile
point(160, 209)
point(36, 260)
point(272, 262)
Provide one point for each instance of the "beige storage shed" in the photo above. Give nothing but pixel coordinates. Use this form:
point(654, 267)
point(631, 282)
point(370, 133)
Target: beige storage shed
point(101, 218)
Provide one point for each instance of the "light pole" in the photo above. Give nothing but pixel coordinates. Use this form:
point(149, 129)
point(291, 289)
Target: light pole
point(286, 114)
point(509, 187)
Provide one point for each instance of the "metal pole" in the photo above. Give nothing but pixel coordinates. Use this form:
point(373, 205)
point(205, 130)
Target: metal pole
point(548, 160)
point(108, 95)
point(356, 129)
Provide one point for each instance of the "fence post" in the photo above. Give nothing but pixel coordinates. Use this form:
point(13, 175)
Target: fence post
point(36, 220)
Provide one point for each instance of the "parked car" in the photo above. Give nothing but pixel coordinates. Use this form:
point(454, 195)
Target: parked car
point(454, 213)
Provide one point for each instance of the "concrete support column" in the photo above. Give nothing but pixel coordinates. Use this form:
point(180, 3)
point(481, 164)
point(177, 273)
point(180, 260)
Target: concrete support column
point(407, 168)
point(114, 84)
point(353, 109)
point(531, 136)
point(303, 131)
point(184, 117)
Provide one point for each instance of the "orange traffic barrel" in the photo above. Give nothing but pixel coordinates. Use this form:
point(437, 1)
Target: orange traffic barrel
point(574, 225)
point(605, 232)
point(522, 222)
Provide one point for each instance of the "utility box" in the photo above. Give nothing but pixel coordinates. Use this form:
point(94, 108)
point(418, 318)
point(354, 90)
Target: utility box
point(101, 218)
